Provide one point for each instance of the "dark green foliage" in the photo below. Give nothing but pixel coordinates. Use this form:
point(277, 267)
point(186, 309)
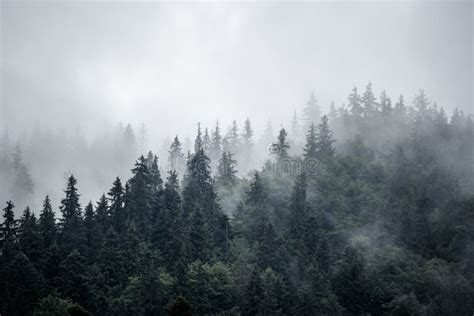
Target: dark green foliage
point(47, 224)
point(226, 170)
point(382, 224)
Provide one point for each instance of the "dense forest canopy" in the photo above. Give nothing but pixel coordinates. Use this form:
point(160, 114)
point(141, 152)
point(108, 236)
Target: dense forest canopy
point(366, 209)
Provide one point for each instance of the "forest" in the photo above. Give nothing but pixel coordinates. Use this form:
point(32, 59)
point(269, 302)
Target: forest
point(367, 209)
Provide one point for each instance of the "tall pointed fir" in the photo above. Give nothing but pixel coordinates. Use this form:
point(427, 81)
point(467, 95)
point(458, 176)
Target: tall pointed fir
point(226, 170)
point(139, 198)
point(234, 138)
point(22, 184)
point(311, 110)
point(248, 143)
point(200, 204)
point(310, 148)
point(9, 225)
point(369, 102)
point(206, 141)
point(72, 235)
point(198, 140)
point(281, 147)
point(116, 209)
point(324, 140)
point(47, 224)
point(216, 145)
point(354, 101)
point(176, 156)
point(29, 240)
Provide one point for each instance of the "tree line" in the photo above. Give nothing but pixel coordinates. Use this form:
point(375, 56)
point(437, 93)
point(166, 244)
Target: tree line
point(376, 219)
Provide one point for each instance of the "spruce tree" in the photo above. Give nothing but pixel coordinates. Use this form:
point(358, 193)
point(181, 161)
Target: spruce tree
point(311, 148)
point(248, 144)
point(234, 139)
point(226, 170)
point(116, 209)
point(281, 147)
point(176, 156)
point(369, 103)
point(206, 141)
point(216, 144)
point(29, 240)
point(9, 226)
point(47, 224)
point(324, 140)
point(354, 102)
point(311, 111)
point(71, 223)
point(198, 140)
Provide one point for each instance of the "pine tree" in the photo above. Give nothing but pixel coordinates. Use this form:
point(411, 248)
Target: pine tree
point(324, 140)
point(385, 106)
point(200, 201)
point(421, 102)
point(139, 198)
point(116, 210)
point(22, 182)
point(168, 227)
point(248, 144)
point(281, 147)
point(226, 170)
point(257, 194)
point(206, 141)
point(91, 231)
point(198, 140)
point(176, 156)
point(369, 103)
point(29, 240)
point(311, 148)
point(9, 226)
point(311, 111)
point(298, 217)
point(47, 224)
point(354, 102)
point(216, 144)
point(71, 224)
point(234, 139)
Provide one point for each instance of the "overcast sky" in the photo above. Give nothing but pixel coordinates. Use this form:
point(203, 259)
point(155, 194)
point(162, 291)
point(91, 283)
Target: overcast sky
point(171, 65)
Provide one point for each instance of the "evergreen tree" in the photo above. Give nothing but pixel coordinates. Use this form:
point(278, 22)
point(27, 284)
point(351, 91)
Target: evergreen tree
point(22, 184)
point(324, 140)
point(216, 144)
point(311, 111)
point(234, 139)
point(369, 103)
point(29, 241)
point(47, 224)
point(116, 209)
point(311, 148)
point(176, 156)
point(206, 141)
point(9, 226)
point(420, 101)
point(281, 147)
point(226, 170)
point(355, 103)
point(248, 144)
point(71, 223)
point(139, 198)
point(198, 140)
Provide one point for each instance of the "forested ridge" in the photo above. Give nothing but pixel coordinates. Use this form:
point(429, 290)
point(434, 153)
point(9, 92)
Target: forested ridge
point(367, 209)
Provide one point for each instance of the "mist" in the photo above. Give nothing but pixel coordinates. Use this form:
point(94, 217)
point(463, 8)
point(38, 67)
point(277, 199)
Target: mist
point(241, 158)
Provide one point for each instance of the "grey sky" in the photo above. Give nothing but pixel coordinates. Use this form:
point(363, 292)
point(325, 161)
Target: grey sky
point(171, 65)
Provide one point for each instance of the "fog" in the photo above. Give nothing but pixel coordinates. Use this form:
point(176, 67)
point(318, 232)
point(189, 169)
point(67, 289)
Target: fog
point(81, 68)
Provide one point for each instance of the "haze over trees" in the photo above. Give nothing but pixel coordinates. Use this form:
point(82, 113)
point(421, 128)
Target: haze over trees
point(367, 209)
